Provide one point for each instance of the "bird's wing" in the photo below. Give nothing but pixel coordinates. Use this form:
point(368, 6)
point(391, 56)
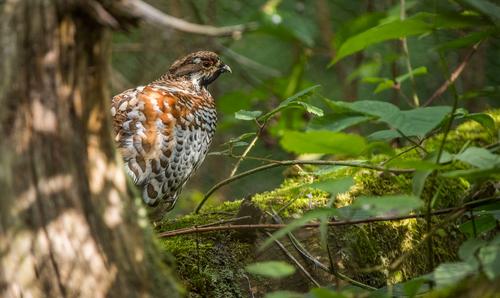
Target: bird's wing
point(143, 125)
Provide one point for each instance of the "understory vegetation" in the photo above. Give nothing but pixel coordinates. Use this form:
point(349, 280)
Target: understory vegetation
point(380, 123)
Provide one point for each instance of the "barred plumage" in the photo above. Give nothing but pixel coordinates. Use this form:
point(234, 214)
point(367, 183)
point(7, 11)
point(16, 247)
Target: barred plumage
point(164, 129)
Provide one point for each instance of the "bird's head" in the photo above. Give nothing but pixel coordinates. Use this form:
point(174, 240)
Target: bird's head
point(201, 67)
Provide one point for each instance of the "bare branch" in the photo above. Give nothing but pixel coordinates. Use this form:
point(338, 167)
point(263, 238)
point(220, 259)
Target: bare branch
point(152, 15)
point(454, 76)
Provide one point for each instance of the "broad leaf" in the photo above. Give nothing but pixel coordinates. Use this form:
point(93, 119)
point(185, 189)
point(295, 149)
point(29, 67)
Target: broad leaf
point(273, 269)
point(469, 248)
point(387, 31)
point(297, 100)
point(450, 273)
point(484, 119)
point(324, 142)
point(388, 205)
point(419, 24)
point(284, 294)
point(481, 224)
point(479, 157)
point(336, 122)
point(490, 260)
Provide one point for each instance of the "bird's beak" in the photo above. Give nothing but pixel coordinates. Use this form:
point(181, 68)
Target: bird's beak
point(226, 68)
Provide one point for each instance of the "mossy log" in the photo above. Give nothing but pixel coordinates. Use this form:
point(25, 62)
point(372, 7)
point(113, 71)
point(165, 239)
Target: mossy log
point(212, 264)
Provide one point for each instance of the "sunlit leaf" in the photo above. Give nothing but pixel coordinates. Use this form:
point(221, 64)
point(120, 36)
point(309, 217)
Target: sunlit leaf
point(325, 142)
point(273, 269)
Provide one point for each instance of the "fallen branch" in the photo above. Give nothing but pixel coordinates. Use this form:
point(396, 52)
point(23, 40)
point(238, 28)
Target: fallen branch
point(199, 230)
point(296, 162)
point(152, 15)
point(454, 76)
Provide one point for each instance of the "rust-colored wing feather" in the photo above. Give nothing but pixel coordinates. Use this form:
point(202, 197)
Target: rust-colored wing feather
point(163, 132)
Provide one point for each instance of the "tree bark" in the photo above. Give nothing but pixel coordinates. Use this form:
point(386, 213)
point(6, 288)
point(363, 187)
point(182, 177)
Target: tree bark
point(67, 226)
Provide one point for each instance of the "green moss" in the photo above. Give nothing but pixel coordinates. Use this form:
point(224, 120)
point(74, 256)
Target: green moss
point(210, 265)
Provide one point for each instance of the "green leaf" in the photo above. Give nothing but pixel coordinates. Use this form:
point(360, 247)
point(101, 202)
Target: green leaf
point(296, 100)
point(384, 135)
point(325, 142)
point(479, 157)
point(272, 269)
point(489, 256)
point(336, 122)
point(465, 41)
point(418, 182)
point(419, 24)
point(388, 83)
point(474, 174)
point(416, 122)
point(469, 248)
point(450, 273)
point(417, 164)
point(385, 205)
point(284, 294)
point(419, 121)
point(387, 31)
point(484, 119)
point(482, 224)
point(247, 115)
point(325, 293)
point(486, 8)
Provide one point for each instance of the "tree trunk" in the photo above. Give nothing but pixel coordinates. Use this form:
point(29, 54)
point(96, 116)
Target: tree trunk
point(67, 226)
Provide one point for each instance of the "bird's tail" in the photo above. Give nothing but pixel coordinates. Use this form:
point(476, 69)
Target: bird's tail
point(155, 191)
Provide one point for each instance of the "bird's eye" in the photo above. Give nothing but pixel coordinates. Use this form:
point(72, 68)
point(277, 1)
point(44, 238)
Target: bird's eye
point(206, 64)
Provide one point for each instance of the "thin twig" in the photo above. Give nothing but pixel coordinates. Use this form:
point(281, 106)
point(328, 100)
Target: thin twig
point(199, 230)
point(225, 221)
point(248, 148)
point(152, 15)
point(297, 263)
point(404, 43)
point(454, 76)
point(296, 162)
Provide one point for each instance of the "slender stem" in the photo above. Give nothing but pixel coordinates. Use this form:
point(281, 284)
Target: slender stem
point(248, 148)
point(295, 162)
point(404, 44)
point(199, 230)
